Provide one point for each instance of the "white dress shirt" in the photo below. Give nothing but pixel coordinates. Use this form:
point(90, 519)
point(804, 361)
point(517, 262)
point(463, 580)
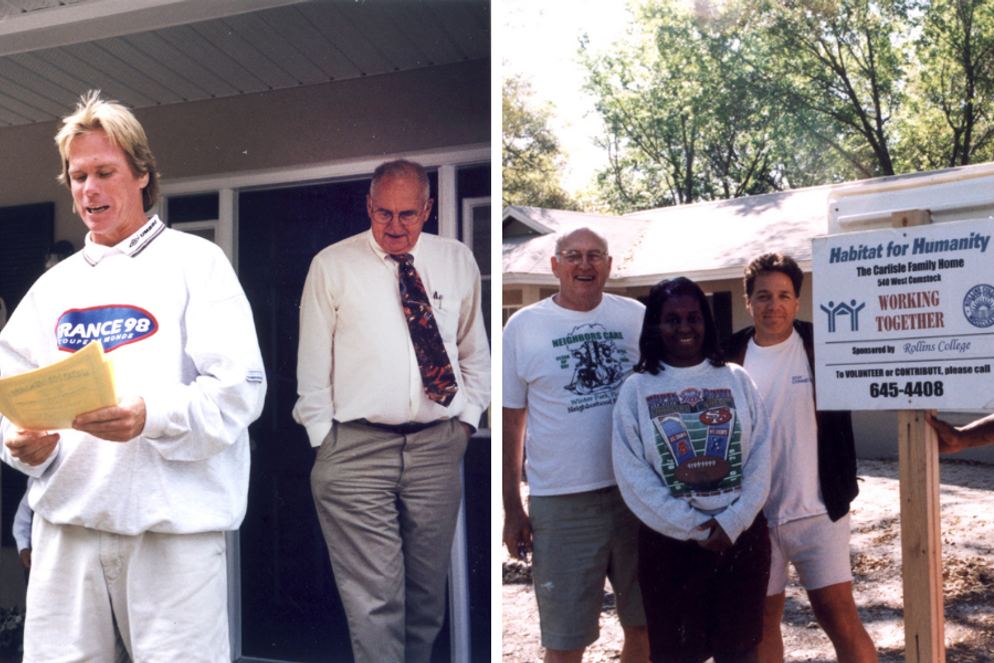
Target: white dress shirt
point(356, 359)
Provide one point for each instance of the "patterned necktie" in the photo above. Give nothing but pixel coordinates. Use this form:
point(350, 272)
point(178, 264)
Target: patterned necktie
point(436, 369)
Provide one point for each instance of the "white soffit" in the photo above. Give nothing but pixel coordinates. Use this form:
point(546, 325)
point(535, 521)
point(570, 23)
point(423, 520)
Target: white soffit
point(158, 52)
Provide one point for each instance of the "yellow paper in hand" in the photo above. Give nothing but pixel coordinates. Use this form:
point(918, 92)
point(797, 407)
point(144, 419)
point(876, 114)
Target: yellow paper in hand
point(50, 398)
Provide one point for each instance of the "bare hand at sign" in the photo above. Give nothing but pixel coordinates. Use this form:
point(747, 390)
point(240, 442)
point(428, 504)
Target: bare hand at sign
point(953, 439)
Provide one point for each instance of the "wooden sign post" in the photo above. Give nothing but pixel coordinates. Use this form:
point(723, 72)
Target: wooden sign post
point(921, 534)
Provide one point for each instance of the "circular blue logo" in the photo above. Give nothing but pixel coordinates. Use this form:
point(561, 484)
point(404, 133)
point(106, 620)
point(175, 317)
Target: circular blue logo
point(978, 305)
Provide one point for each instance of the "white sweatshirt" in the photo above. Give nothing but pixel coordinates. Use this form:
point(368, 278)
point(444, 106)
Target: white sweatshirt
point(692, 398)
point(172, 316)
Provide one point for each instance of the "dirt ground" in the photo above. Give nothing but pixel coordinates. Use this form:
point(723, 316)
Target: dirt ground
point(967, 514)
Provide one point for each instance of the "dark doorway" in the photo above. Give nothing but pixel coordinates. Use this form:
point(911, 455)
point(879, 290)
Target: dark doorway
point(26, 233)
point(26, 236)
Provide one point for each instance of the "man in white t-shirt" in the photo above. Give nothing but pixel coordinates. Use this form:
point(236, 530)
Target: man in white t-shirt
point(564, 360)
point(814, 464)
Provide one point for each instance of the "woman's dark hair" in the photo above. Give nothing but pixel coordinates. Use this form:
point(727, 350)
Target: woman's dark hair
point(650, 341)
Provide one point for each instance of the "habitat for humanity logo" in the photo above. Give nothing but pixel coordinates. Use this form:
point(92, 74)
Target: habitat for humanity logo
point(113, 326)
point(851, 310)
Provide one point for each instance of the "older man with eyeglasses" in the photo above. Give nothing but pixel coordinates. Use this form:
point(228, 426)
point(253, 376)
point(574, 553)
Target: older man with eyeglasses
point(393, 376)
point(564, 360)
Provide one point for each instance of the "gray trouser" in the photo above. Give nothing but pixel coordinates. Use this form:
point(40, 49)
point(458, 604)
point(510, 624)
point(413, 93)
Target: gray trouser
point(388, 504)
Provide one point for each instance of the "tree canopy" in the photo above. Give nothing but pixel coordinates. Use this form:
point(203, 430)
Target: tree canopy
point(532, 158)
point(949, 120)
point(766, 95)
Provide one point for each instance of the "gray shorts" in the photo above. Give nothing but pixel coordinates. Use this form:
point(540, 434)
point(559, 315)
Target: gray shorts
point(579, 539)
point(818, 549)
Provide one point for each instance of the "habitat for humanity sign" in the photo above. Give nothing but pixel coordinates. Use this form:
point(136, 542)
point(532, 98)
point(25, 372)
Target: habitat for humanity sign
point(904, 318)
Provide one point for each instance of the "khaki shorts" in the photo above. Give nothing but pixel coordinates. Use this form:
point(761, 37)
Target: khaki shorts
point(579, 539)
point(818, 549)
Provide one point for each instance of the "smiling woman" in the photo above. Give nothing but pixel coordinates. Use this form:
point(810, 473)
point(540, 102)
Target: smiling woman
point(681, 326)
point(673, 304)
point(704, 549)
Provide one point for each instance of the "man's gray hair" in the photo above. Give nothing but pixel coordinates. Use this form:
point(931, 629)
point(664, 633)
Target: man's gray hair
point(563, 235)
point(402, 168)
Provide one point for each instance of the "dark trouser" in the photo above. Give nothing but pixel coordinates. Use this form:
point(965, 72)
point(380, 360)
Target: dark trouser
point(700, 603)
point(388, 505)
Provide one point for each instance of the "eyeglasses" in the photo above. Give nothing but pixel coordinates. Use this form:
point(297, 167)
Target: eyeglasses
point(407, 217)
point(576, 257)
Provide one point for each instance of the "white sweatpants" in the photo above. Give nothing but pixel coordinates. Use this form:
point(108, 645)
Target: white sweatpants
point(102, 597)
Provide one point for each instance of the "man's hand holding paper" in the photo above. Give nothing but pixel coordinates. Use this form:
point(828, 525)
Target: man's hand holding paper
point(117, 423)
point(52, 397)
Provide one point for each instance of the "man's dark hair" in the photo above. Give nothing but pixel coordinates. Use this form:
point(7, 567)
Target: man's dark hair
point(773, 262)
point(650, 340)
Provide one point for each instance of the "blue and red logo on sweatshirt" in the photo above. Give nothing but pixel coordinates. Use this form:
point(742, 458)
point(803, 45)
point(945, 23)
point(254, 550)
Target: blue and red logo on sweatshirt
point(113, 326)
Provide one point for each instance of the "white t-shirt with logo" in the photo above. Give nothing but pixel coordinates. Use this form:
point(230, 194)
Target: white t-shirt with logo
point(566, 368)
point(783, 376)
